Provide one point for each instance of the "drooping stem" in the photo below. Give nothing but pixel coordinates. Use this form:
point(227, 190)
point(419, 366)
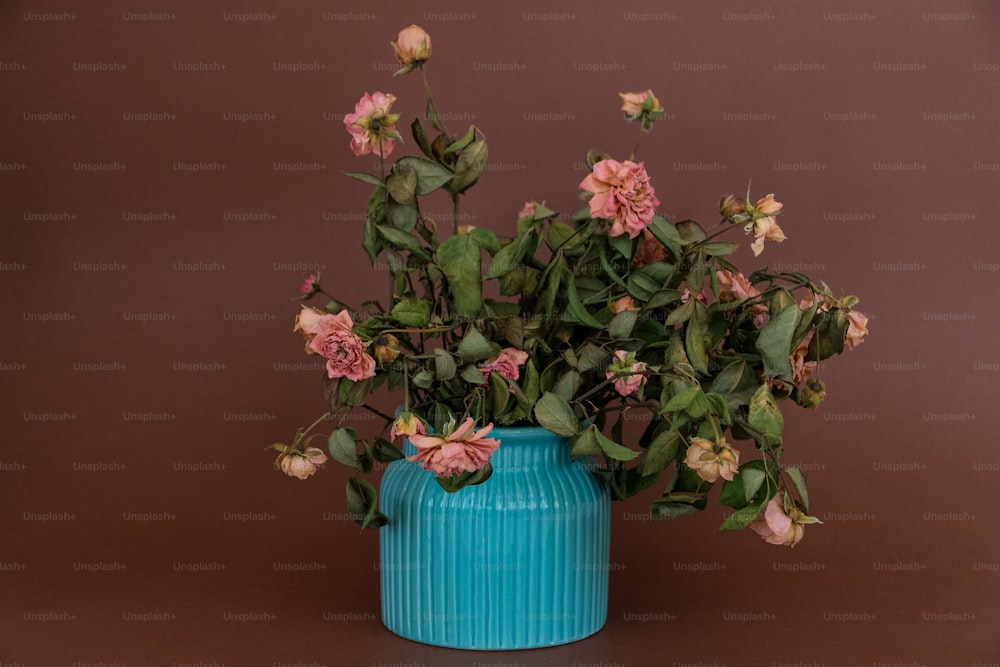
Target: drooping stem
point(436, 121)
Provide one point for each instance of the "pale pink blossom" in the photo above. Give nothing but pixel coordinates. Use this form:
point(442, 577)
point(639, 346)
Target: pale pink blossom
point(301, 464)
point(633, 104)
point(628, 374)
point(528, 209)
point(712, 460)
point(506, 363)
point(802, 369)
point(777, 526)
point(765, 225)
point(371, 126)
point(857, 328)
point(344, 351)
point(464, 450)
point(622, 193)
point(412, 47)
point(736, 286)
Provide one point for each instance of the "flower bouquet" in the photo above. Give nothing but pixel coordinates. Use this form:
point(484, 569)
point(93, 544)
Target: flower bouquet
point(576, 323)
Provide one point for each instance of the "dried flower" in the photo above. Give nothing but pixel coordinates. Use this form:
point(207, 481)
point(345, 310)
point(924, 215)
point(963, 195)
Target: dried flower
point(622, 193)
point(506, 363)
point(627, 372)
point(301, 464)
point(412, 48)
point(464, 450)
point(371, 126)
point(712, 460)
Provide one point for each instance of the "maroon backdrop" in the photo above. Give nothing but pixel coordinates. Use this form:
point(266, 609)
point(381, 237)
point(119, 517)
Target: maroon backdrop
point(171, 171)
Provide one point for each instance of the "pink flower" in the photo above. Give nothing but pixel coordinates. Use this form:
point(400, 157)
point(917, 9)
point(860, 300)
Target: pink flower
point(627, 373)
point(309, 286)
point(301, 464)
point(505, 363)
point(412, 47)
point(737, 287)
point(765, 226)
point(857, 328)
point(802, 369)
point(686, 294)
point(344, 351)
point(464, 450)
point(528, 209)
point(407, 424)
point(712, 460)
point(779, 527)
point(371, 126)
point(621, 192)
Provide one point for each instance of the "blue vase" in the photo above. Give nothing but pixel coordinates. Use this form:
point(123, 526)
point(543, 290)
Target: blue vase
point(520, 561)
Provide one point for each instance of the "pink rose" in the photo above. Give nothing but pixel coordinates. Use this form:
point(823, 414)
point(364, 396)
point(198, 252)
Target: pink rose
point(621, 192)
point(528, 209)
point(779, 527)
point(344, 351)
point(464, 450)
point(626, 372)
point(633, 104)
point(371, 126)
point(309, 286)
point(412, 47)
point(802, 369)
point(712, 460)
point(301, 464)
point(505, 363)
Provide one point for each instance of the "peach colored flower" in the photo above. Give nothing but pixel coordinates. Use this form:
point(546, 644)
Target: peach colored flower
point(781, 527)
point(733, 209)
point(621, 192)
point(371, 126)
point(634, 104)
point(407, 424)
point(650, 250)
point(857, 328)
point(464, 450)
point(344, 351)
point(712, 460)
point(736, 286)
point(802, 369)
point(412, 47)
point(465, 229)
point(505, 363)
point(623, 304)
point(626, 372)
point(765, 226)
point(307, 324)
point(301, 464)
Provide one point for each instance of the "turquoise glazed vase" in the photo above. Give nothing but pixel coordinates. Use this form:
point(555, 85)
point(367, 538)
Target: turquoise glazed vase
point(520, 561)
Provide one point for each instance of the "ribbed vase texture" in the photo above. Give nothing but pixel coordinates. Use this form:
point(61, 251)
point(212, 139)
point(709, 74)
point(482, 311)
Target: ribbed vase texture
point(520, 561)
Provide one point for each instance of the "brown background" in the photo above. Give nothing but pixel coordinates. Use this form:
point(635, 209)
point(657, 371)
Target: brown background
point(147, 356)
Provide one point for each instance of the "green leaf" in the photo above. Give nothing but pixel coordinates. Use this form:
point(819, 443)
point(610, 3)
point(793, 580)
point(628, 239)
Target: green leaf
point(402, 184)
point(362, 503)
point(661, 452)
point(742, 517)
point(501, 392)
point(753, 479)
point(531, 382)
point(430, 175)
point(458, 482)
point(474, 346)
point(574, 306)
point(469, 166)
point(403, 217)
point(622, 245)
point(364, 178)
point(559, 234)
point(486, 239)
point(799, 480)
point(694, 342)
point(733, 493)
point(719, 248)
point(765, 415)
point(403, 240)
point(459, 259)
point(690, 232)
point(567, 385)
point(444, 365)
point(420, 136)
point(506, 259)
point(682, 313)
point(342, 444)
point(473, 375)
point(666, 233)
point(412, 312)
point(556, 415)
point(775, 342)
point(463, 142)
point(831, 332)
point(585, 444)
point(681, 401)
point(613, 450)
point(621, 325)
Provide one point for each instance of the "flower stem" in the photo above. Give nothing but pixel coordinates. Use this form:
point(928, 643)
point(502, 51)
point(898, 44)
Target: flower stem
point(436, 121)
point(635, 151)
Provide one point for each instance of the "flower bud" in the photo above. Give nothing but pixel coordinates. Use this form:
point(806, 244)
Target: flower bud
point(733, 209)
point(386, 348)
point(412, 48)
point(812, 394)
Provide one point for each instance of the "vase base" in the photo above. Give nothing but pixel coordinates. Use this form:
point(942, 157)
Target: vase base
point(496, 646)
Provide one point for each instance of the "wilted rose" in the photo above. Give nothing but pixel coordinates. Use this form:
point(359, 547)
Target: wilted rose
point(779, 526)
point(622, 193)
point(371, 126)
point(712, 460)
point(464, 450)
point(301, 464)
point(506, 363)
point(628, 373)
point(412, 48)
point(344, 351)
